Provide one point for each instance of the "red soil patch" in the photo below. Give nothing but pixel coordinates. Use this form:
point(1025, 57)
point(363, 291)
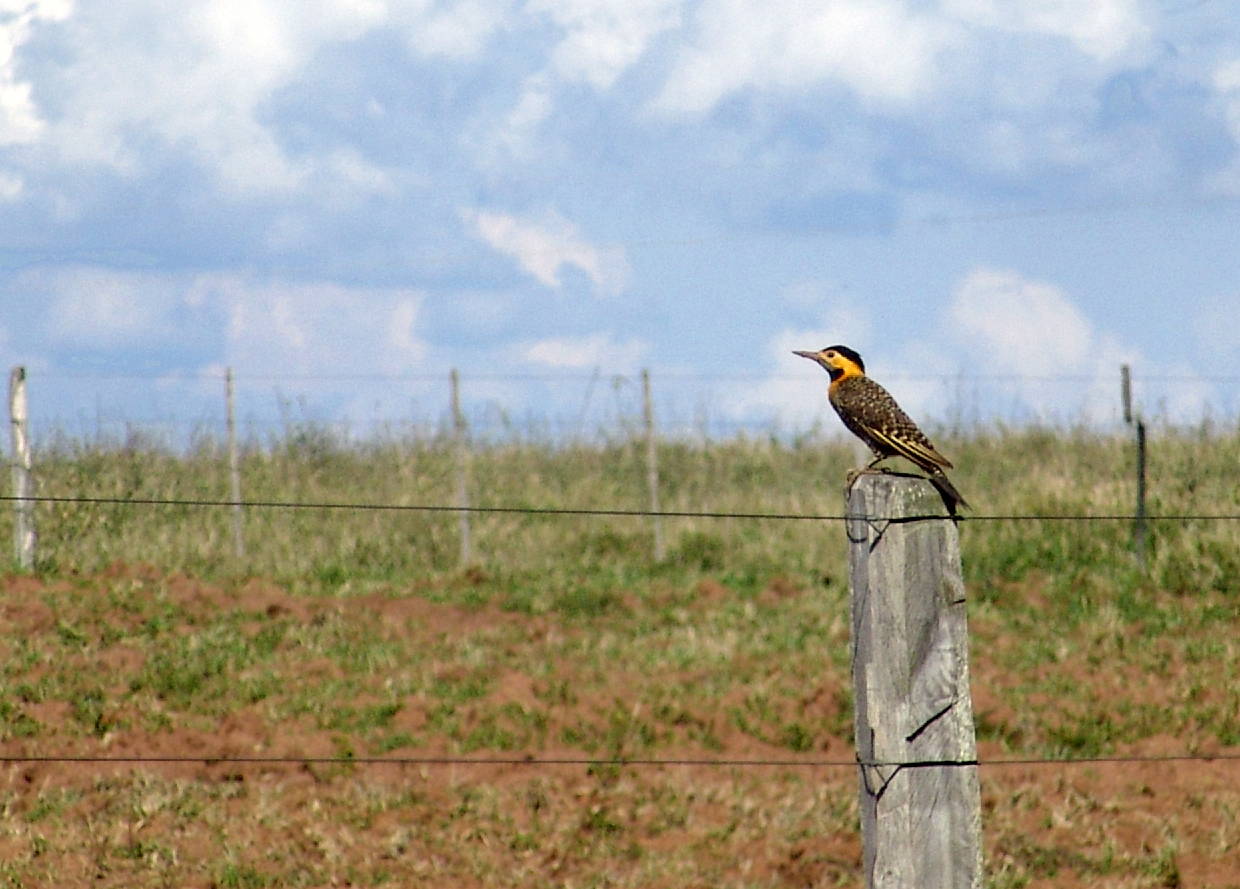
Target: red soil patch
point(170, 822)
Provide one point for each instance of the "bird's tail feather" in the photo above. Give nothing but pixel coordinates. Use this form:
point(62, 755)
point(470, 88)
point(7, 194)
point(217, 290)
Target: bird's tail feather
point(951, 497)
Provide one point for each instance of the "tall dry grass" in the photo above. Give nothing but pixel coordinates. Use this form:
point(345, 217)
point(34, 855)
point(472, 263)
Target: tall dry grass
point(1026, 472)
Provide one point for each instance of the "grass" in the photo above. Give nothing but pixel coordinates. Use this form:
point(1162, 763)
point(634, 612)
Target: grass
point(575, 564)
point(356, 633)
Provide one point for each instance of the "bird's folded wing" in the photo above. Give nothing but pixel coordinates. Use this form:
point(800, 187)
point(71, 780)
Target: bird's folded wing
point(921, 454)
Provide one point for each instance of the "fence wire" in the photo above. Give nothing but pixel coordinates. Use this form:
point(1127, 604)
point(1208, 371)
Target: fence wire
point(605, 512)
point(595, 761)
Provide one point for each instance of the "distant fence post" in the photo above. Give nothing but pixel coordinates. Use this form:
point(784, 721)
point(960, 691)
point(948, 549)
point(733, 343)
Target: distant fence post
point(1138, 531)
point(652, 467)
point(462, 489)
point(916, 744)
point(234, 466)
point(24, 537)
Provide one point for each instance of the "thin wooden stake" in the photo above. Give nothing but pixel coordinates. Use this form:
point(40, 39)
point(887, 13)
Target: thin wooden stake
point(234, 467)
point(462, 456)
point(1139, 530)
point(1125, 391)
point(652, 468)
point(916, 746)
point(24, 537)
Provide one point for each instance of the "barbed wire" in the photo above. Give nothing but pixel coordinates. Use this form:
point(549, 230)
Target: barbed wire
point(535, 762)
point(604, 512)
point(629, 375)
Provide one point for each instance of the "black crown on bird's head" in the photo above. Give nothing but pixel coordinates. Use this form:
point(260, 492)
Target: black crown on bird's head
point(849, 354)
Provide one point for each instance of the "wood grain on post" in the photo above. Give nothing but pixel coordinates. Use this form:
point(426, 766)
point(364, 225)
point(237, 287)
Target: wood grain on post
point(23, 480)
point(916, 747)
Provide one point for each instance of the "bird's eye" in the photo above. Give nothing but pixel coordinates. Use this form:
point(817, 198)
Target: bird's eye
point(831, 354)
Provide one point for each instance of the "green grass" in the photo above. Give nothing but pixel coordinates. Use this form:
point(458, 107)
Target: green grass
point(599, 571)
point(777, 614)
point(577, 565)
point(359, 632)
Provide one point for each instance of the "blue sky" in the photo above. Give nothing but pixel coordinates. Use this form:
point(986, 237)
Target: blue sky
point(996, 203)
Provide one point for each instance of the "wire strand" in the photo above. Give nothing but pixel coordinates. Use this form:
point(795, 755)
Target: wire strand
point(532, 761)
point(661, 376)
point(552, 511)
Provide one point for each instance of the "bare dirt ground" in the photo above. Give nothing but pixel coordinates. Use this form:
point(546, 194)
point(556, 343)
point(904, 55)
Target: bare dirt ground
point(80, 680)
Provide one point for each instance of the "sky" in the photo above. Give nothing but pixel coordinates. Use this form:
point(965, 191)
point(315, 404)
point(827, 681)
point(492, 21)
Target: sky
point(996, 203)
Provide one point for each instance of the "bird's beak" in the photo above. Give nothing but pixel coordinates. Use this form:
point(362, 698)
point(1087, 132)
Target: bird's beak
point(812, 356)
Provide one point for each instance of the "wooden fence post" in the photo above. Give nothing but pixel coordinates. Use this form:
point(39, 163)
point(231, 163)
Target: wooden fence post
point(652, 467)
point(1125, 391)
point(1138, 530)
point(462, 489)
point(24, 537)
point(916, 745)
point(234, 466)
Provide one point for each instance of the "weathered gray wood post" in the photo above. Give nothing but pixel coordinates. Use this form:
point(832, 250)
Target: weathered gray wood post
point(1138, 531)
point(23, 480)
point(916, 746)
point(652, 466)
point(234, 465)
point(462, 458)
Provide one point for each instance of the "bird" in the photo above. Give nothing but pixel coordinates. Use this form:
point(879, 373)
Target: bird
point(871, 414)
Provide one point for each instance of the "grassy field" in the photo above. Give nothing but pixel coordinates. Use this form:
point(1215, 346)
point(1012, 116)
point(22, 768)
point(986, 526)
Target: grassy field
point(355, 634)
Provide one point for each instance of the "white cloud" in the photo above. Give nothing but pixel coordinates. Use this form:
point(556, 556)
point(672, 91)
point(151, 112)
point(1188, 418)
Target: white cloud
point(93, 307)
point(887, 52)
point(1009, 324)
point(146, 77)
point(11, 185)
point(294, 337)
point(1100, 28)
point(544, 246)
point(603, 38)
point(461, 31)
point(795, 393)
point(193, 75)
point(402, 330)
point(879, 48)
point(285, 327)
point(595, 350)
point(20, 122)
point(1226, 83)
point(519, 131)
point(1022, 326)
point(271, 326)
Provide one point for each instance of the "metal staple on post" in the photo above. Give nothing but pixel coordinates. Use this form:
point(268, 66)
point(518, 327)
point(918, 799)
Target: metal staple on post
point(234, 466)
point(24, 537)
point(462, 489)
point(920, 801)
point(652, 467)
